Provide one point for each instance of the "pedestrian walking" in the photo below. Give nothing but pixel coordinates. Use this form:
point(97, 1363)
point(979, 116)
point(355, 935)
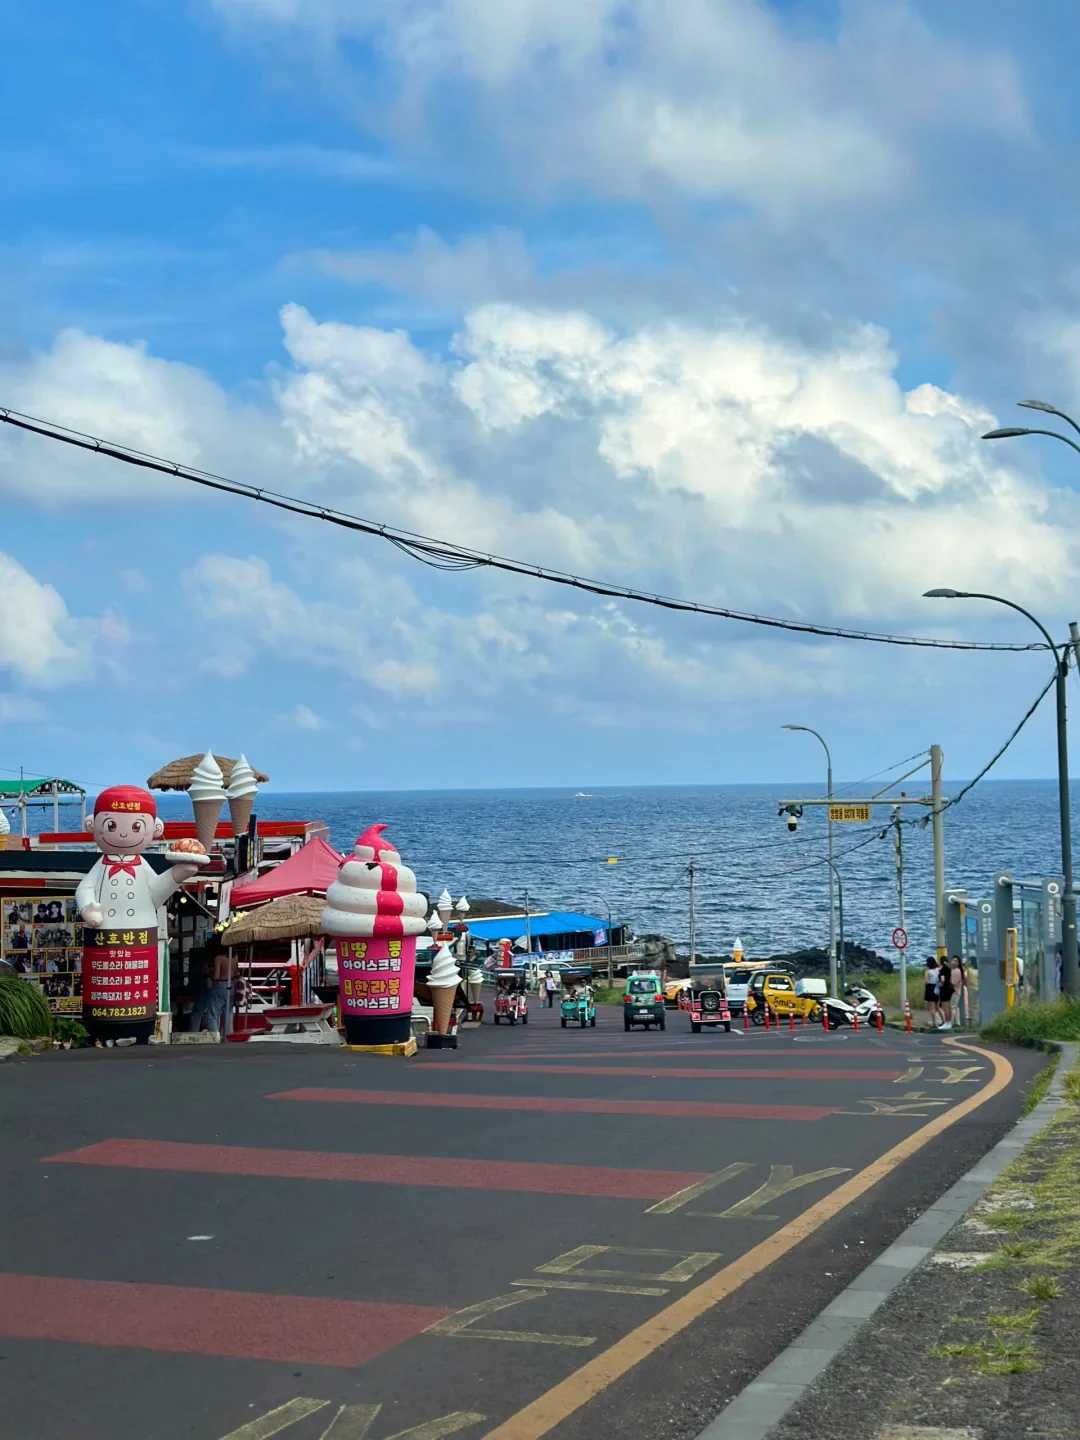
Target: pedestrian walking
point(958, 976)
point(945, 992)
point(931, 980)
point(550, 986)
point(212, 1000)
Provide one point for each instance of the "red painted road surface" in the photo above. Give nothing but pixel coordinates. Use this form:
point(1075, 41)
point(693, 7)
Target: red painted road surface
point(292, 1328)
point(440, 1100)
point(383, 1169)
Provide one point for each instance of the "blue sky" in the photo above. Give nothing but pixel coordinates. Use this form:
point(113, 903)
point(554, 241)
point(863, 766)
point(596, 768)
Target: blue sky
point(717, 305)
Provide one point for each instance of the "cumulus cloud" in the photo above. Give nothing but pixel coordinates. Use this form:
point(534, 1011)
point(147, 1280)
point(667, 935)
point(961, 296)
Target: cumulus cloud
point(727, 99)
point(122, 393)
point(722, 462)
point(41, 644)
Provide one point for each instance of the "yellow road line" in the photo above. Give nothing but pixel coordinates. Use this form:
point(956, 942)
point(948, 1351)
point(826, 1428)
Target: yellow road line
point(558, 1403)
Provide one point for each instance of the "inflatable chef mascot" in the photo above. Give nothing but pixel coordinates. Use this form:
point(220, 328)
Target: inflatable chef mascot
point(119, 901)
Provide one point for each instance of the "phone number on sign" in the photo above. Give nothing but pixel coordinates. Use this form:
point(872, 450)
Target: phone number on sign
point(120, 1012)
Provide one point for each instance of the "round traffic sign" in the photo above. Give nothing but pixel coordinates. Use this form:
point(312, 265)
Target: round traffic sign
point(899, 938)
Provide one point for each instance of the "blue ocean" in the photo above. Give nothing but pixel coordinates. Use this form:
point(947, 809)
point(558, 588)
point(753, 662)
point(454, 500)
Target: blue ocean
point(754, 879)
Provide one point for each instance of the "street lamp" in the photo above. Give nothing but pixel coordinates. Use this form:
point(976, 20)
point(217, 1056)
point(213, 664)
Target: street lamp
point(832, 867)
point(1070, 979)
point(610, 942)
point(1009, 432)
point(840, 887)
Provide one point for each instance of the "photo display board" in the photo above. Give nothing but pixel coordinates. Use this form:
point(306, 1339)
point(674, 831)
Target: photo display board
point(41, 937)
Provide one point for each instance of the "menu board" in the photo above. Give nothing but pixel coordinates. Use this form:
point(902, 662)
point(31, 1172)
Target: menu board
point(41, 937)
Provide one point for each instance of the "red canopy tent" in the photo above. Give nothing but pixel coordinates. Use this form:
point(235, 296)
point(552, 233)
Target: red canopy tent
point(313, 867)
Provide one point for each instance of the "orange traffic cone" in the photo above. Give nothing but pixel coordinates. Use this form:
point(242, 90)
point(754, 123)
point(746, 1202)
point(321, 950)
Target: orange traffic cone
point(907, 1016)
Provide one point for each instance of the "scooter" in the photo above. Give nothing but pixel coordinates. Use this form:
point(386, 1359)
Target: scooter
point(865, 1004)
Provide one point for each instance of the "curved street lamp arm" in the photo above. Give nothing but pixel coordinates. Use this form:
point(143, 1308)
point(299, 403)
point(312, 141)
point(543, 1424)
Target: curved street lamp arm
point(817, 736)
point(1030, 430)
point(1000, 600)
point(1049, 410)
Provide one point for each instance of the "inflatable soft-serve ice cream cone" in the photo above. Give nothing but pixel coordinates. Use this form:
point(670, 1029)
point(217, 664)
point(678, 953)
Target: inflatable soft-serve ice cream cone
point(243, 787)
point(443, 983)
point(374, 912)
point(207, 795)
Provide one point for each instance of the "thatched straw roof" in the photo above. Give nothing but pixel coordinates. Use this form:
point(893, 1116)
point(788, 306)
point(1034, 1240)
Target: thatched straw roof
point(293, 917)
point(177, 774)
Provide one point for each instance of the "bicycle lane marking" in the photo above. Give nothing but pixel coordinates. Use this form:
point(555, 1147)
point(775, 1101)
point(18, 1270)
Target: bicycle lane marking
point(547, 1411)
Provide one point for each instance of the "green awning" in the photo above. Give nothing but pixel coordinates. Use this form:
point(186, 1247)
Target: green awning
point(13, 789)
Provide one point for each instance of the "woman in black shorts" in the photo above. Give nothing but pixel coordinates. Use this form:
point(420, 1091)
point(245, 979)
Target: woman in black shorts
point(945, 994)
point(931, 976)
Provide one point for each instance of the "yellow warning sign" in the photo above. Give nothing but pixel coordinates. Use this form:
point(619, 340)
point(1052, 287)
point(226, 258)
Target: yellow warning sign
point(858, 814)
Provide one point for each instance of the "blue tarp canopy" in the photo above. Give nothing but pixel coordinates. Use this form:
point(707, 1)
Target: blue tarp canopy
point(558, 922)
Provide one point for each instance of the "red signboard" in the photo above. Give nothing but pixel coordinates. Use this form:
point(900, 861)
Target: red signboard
point(120, 975)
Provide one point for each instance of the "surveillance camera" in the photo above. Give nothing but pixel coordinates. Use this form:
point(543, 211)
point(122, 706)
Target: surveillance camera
point(792, 822)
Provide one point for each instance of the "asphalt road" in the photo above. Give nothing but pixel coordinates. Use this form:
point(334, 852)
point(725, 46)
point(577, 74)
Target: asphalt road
point(574, 1233)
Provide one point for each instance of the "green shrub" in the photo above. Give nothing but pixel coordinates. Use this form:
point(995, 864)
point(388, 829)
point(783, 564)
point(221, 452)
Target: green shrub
point(1034, 1024)
point(23, 1011)
point(72, 1034)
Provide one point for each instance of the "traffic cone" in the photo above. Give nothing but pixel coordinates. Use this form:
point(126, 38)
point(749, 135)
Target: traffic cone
point(907, 1016)
point(879, 1019)
point(855, 1020)
point(824, 1018)
point(745, 1018)
point(791, 1020)
point(768, 1022)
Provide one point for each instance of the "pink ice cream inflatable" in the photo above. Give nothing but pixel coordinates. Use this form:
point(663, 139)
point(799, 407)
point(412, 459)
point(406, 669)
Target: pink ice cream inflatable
point(374, 913)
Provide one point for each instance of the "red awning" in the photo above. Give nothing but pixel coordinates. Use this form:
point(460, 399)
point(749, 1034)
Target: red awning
point(313, 867)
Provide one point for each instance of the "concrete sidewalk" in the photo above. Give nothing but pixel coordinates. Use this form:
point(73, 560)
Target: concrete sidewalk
point(965, 1328)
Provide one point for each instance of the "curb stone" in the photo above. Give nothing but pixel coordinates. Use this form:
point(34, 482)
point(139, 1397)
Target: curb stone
point(780, 1386)
point(9, 1046)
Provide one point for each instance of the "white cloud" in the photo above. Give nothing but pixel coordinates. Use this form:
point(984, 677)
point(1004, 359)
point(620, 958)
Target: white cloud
point(305, 160)
point(717, 98)
point(719, 461)
point(40, 643)
point(302, 717)
point(122, 393)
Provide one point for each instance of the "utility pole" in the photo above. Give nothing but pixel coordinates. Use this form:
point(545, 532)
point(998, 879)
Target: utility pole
point(938, 821)
point(693, 918)
point(898, 833)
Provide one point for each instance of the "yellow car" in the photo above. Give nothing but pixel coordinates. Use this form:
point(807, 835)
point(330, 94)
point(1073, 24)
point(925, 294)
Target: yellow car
point(782, 995)
point(673, 991)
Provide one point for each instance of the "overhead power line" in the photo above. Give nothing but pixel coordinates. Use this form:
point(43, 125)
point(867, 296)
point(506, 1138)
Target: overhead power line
point(445, 555)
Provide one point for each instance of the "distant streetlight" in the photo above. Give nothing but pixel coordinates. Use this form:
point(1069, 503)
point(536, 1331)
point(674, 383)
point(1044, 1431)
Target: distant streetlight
point(832, 867)
point(1070, 977)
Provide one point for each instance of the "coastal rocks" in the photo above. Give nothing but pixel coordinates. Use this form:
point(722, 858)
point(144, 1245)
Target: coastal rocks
point(814, 960)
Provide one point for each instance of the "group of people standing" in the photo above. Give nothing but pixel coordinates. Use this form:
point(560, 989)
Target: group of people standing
point(945, 986)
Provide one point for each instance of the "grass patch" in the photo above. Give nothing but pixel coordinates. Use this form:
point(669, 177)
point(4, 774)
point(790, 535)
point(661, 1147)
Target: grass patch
point(1022, 1320)
point(1041, 1083)
point(995, 1356)
point(1035, 1024)
point(1041, 1288)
